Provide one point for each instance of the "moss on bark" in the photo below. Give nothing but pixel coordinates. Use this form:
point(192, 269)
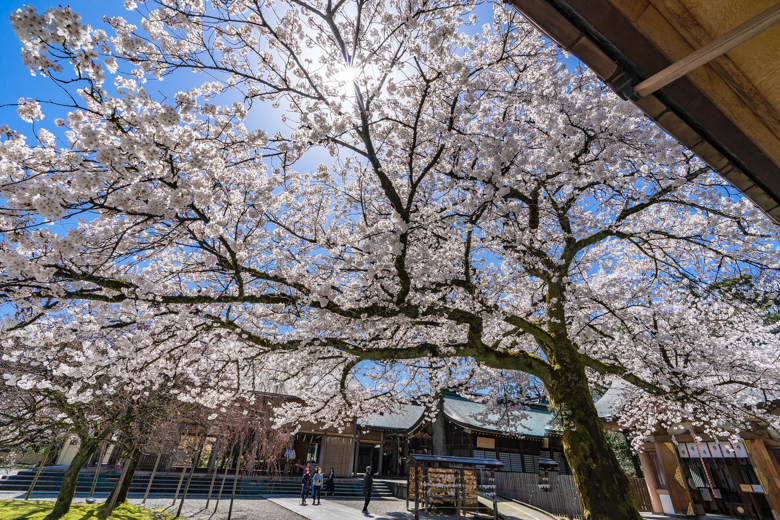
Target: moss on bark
point(602, 485)
point(70, 479)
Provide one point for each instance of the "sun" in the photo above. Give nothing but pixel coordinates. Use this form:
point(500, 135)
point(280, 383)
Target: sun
point(347, 74)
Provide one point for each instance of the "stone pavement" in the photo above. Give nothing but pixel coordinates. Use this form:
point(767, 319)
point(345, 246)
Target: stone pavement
point(512, 510)
point(330, 510)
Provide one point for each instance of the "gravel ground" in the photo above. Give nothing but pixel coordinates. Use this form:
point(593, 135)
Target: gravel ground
point(243, 509)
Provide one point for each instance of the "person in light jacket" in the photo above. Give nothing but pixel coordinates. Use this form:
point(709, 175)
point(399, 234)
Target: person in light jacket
point(368, 485)
point(316, 483)
point(305, 485)
point(330, 483)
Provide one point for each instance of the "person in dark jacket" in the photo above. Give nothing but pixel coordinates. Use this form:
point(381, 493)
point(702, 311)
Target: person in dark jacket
point(305, 485)
point(368, 485)
point(330, 483)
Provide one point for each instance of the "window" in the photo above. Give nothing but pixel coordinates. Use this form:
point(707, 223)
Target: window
point(311, 454)
point(658, 471)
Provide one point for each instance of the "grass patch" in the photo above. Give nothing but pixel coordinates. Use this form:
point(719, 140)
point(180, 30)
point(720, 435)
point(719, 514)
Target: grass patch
point(38, 509)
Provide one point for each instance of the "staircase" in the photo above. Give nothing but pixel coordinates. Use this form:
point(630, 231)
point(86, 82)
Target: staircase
point(165, 483)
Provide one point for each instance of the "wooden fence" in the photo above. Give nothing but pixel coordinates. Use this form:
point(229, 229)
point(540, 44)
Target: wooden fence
point(641, 494)
point(561, 500)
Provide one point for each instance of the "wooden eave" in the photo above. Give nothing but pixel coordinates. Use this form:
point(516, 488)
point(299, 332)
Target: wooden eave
point(727, 111)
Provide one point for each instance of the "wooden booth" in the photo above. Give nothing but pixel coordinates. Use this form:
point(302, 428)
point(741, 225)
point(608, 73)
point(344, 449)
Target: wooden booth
point(439, 480)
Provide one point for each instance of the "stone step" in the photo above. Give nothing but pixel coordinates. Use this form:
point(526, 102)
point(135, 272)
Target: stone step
point(165, 484)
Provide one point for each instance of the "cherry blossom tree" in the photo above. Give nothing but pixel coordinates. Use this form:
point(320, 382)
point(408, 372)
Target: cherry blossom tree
point(488, 220)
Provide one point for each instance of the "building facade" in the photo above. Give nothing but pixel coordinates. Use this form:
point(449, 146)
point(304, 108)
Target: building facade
point(697, 475)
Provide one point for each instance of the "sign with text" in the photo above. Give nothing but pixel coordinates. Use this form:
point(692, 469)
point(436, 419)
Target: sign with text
point(486, 442)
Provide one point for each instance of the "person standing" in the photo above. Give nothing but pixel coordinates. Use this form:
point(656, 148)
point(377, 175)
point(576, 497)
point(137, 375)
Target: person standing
point(330, 484)
point(316, 482)
point(305, 485)
point(368, 485)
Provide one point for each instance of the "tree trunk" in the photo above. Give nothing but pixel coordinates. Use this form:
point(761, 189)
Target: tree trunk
point(602, 485)
point(439, 437)
point(70, 479)
point(124, 486)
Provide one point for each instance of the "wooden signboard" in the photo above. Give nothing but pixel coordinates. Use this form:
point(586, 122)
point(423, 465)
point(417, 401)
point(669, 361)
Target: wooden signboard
point(441, 486)
point(486, 443)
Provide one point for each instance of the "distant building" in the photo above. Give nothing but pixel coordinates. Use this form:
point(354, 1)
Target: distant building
point(383, 440)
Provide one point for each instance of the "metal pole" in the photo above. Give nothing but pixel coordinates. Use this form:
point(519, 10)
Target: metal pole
point(224, 477)
point(214, 477)
point(154, 470)
point(40, 468)
point(181, 479)
point(192, 472)
point(235, 479)
point(115, 492)
point(97, 471)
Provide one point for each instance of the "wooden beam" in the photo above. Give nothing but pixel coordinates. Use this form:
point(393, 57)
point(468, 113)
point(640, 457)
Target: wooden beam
point(678, 490)
point(766, 471)
point(740, 34)
point(690, 29)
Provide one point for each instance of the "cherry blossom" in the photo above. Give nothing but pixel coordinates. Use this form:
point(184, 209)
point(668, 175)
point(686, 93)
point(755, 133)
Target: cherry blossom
point(487, 221)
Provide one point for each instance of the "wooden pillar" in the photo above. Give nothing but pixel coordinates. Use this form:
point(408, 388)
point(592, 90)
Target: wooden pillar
point(406, 456)
point(351, 466)
point(652, 485)
point(357, 452)
point(462, 486)
point(322, 450)
point(766, 471)
point(495, 494)
point(426, 488)
point(381, 453)
point(678, 490)
point(416, 490)
point(397, 456)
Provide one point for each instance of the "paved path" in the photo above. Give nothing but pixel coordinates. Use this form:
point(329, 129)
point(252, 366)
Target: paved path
point(512, 510)
point(325, 511)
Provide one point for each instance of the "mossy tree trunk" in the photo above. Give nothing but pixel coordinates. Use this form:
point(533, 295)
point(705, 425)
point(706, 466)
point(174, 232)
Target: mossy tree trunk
point(70, 479)
point(602, 484)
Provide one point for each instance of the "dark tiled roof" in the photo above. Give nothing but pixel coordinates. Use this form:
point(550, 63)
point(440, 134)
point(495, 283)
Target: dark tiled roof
point(610, 403)
point(407, 418)
point(467, 413)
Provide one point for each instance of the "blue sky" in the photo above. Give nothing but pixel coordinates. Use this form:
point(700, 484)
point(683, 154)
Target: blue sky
point(18, 82)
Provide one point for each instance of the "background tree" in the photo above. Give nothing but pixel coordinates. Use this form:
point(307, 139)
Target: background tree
point(487, 212)
point(53, 394)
